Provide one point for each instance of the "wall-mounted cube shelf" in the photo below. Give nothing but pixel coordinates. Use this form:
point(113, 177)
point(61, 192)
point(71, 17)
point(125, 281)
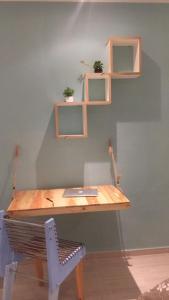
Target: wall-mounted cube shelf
point(104, 78)
point(98, 86)
point(134, 43)
point(66, 105)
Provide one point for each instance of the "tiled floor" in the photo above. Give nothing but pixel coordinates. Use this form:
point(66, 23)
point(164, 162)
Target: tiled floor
point(107, 277)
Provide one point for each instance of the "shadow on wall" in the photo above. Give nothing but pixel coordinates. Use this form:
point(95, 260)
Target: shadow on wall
point(62, 162)
point(138, 100)
point(77, 162)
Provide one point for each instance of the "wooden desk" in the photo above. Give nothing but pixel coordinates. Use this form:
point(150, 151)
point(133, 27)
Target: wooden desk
point(35, 203)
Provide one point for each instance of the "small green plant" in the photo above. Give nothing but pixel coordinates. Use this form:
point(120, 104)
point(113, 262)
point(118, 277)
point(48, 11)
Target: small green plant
point(98, 66)
point(68, 92)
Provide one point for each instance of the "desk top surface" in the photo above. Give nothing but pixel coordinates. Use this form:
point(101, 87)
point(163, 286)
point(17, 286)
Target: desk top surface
point(52, 202)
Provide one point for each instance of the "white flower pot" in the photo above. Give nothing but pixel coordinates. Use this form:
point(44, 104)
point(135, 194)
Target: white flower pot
point(69, 99)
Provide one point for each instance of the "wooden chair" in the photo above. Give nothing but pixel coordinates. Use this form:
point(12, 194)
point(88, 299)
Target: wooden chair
point(20, 239)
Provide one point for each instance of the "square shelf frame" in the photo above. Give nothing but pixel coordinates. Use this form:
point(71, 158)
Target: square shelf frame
point(108, 88)
point(84, 120)
point(134, 42)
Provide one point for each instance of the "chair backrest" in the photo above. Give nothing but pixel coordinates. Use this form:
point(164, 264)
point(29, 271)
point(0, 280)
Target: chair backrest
point(20, 238)
point(26, 238)
point(6, 254)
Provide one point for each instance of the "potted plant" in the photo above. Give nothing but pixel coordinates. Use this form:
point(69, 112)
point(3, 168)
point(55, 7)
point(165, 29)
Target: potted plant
point(98, 66)
point(68, 94)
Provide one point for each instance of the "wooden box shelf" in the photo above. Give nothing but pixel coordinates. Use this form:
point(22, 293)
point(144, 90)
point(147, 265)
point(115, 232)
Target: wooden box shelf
point(108, 94)
point(135, 43)
point(60, 135)
point(114, 70)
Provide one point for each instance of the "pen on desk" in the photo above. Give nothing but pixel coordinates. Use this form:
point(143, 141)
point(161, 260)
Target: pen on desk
point(50, 201)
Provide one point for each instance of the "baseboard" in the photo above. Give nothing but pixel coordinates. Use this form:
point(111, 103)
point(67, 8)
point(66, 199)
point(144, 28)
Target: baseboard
point(127, 253)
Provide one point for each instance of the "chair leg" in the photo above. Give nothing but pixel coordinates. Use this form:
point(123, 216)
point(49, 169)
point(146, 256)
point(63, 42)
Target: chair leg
point(53, 295)
point(39, 271)
point(79, 281)
point(9, 278)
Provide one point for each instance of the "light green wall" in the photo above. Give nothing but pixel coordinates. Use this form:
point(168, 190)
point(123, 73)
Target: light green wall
point(41, 46)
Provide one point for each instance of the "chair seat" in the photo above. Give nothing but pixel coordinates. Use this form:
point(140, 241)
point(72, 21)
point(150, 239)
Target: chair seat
point(67, 249)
